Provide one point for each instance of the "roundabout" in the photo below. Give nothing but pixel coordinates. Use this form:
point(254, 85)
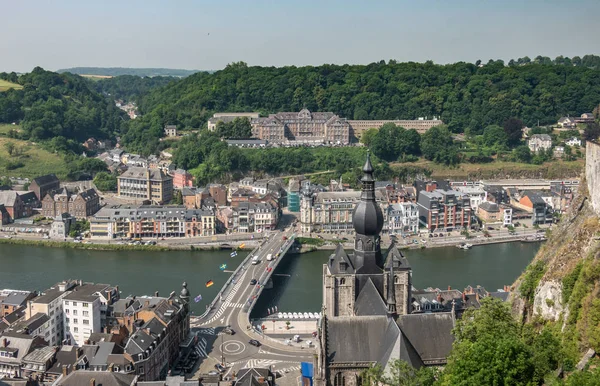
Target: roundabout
point(232, 347)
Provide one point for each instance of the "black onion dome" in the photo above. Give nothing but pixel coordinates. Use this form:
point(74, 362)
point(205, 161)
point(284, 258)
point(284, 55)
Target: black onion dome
point(367, 217)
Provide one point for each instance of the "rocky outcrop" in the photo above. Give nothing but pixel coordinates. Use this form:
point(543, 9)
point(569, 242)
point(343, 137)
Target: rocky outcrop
point(548, 300)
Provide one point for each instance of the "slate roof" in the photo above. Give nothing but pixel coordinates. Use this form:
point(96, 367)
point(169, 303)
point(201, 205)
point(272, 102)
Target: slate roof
point(40, 355)
point(31, 324)
point(20, 342)
point(142, 173)
point(138, 343)
point(340, 255)
point(47, 179)
point(154, 326)
point(67, 355)
point(8, 198)
point(430, 334)
point(356, 339)
point(369, 301)
point(396, 258)
point(15, 298)
point(86, 292)
point(490, 207)
point(101, 357)
point(102, 378)
point(249, 377)
point(534, 197)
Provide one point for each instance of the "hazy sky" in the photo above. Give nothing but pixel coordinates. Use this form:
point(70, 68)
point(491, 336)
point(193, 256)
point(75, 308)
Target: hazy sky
point(209, 34)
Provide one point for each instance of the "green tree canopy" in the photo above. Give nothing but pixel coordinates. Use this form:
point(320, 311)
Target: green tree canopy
point(437, 145)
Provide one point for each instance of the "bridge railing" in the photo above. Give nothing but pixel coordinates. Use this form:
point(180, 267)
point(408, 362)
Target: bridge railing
point(229, 281)
point(251, 301)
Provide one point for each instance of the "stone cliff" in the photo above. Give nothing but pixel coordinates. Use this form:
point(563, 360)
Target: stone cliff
point(561, 286)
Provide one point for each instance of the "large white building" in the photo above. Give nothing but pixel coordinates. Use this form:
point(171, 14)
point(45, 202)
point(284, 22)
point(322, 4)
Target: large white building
point(332, 211)
point(85, 310)
point(403, 219)
point(476, 194)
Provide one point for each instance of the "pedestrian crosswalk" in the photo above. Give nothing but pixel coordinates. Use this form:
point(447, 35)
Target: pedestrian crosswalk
point(200, 348)
point(206, 331)
point(281, 366)
point(228, 303)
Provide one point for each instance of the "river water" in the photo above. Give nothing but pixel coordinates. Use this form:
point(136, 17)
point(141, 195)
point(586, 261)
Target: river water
point(297, 283)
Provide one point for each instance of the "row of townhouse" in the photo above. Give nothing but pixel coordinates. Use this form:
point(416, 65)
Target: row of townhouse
point(98, 332)
point(248, 217)
point(152, 222)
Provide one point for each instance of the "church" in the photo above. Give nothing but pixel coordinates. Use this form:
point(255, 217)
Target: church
point(367, 297)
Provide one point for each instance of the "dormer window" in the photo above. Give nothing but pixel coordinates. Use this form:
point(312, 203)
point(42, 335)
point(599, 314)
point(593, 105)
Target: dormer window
point(343, 265)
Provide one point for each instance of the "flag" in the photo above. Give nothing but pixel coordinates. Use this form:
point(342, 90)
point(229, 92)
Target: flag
point(209, 283)
point(233, 254)
point(242, 246)
point(222, 267)
point(198, 298)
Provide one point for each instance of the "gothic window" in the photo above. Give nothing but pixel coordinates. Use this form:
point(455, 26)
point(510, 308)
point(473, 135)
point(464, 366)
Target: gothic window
point(397, 280)
point(369, 245)
point(339, 380)
point(342, 281)
point(358, 380)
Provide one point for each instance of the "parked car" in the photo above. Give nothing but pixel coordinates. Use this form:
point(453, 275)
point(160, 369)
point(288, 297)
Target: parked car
point(229, 331)
point(220, 368)
point(253, 282)
point(254, 342)
point(213, 372)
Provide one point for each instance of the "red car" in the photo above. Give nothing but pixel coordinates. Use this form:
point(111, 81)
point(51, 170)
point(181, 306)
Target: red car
point(284, 238)
point(269, 269)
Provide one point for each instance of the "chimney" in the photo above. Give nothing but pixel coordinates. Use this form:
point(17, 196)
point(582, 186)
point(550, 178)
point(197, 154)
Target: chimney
point(111, 367)
point(5, 342)
point(439, 297)
point(93, 382)
point(449, 288)
point(156, 294)
point(65, 370)
point(146, 303)
point(464, 297)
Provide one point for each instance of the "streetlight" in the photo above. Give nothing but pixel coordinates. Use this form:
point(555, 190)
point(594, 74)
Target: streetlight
point(222, 351)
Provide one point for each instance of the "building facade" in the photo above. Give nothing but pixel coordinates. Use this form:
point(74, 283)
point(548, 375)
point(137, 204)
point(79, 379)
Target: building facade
point(152, 222)
point(403, 219)
point(44, 184)
point(332, 211)
point(145, 184)
point(539, 142)
point(81, 204)
point(228, 117)
point(304, 126)
point(249, 217)
point(182, 179)
point(444, 210)
point(421, 125)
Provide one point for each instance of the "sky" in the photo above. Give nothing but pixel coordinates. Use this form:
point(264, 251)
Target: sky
point(207, 35)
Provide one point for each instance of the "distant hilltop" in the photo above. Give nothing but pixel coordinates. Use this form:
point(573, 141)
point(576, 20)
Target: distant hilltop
point(116, 71)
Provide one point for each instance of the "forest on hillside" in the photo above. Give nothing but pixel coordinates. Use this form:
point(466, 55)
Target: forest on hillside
point(130, 87)
point(52, 105)
point(467, 97)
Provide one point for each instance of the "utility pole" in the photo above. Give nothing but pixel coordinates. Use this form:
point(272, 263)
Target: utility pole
point(222, 351)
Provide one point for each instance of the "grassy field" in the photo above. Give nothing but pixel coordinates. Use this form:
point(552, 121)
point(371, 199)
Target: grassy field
point(5, 128)
point(5, 85)
point(33, 161)
point(97, 77)
point(496, 170)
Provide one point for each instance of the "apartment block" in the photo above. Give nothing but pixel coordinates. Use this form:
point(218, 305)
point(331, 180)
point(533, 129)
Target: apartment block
point(80, 203)
point(403, 219)
point(333, 211)
point(85, 310)
point(152, 222)
point(444, 210)
point(146, 185)
point(44, 184)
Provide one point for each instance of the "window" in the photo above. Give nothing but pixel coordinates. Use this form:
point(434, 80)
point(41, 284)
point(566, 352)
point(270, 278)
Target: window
point(74, 312)
point(339, 380)
point(75, 304)
point(67, 320)
point(86, 322)
point(342, 281)
point(86, 313)
point(66, 303)
point(67, 311)
point(75, 329)
point(75, 321)
point(85, 305)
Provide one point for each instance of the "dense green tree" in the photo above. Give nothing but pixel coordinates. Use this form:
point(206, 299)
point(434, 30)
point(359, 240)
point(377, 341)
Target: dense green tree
point(79, 227)
point(130, 87)
point(106, 182)
point(368, 136)
point(488, 349)
point(591, 131)
point(400, 374)
point(83, 168)
point(495, 136)
point(513, 128)
point(239, 128)
point(437, 145)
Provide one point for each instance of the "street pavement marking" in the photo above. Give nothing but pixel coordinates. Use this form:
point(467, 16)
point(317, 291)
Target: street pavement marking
point(227, 302)
point(200, 348)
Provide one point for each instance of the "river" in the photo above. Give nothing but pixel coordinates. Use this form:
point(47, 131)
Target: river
point(297, 283)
